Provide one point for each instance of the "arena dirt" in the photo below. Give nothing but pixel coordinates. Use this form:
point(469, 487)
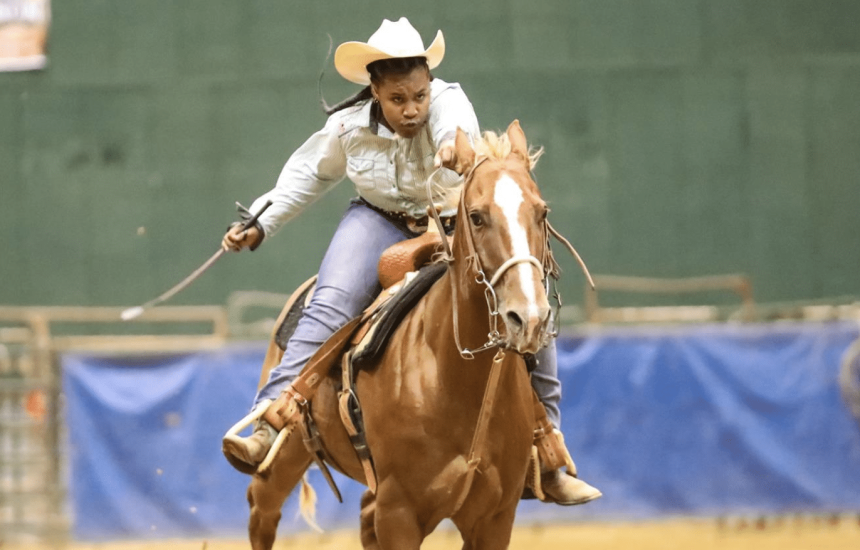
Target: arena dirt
point(798, 533)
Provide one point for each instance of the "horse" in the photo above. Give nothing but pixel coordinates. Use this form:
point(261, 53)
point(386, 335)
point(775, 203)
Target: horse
point(448, 406)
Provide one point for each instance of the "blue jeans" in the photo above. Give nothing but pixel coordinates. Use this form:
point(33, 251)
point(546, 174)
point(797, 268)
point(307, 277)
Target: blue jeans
point(348, 282)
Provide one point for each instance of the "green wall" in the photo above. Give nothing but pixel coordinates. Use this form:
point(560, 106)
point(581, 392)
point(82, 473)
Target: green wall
point(683, 137)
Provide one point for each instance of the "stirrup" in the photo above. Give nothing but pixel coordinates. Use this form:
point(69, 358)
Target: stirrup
point(252, 417)
point(568, 460)
point(552, 450)
point(283, 414)
point(264, 466)
point(237, 428)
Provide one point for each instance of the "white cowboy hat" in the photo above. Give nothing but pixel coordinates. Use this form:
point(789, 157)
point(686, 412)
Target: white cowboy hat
point(391, 40)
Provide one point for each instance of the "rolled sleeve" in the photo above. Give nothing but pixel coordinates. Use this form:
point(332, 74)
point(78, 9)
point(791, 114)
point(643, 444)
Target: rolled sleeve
point(313, 169)
point(451, 109)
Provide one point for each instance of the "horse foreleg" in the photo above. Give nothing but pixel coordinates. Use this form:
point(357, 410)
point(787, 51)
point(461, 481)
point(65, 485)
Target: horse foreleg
point(266, 495)
point(491, 534)
point(368, 527)
point(395, 520)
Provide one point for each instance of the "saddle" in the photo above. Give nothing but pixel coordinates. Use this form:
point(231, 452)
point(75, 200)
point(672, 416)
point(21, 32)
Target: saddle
point(405, 275)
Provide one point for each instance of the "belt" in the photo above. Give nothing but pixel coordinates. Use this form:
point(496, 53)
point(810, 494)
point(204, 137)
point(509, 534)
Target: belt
point(410, 223)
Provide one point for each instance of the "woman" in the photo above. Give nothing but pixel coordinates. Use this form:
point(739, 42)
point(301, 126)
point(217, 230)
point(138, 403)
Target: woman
point(388, 139)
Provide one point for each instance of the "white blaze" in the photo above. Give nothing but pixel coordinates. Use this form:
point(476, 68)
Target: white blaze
point(508, 196)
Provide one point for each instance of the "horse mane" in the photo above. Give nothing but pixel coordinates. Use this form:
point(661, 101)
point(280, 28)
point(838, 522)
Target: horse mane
point(492, 145)
point(498, 146)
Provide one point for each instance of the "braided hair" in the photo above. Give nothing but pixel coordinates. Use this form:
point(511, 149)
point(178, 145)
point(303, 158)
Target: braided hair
point(378, 71)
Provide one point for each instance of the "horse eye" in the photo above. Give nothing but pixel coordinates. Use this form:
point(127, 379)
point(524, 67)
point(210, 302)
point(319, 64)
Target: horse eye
point(476, 219)
point(543, 214)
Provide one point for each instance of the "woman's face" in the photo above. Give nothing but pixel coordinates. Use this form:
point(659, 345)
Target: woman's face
point(405, 101)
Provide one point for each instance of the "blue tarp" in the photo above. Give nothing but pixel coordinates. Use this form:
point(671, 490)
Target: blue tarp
point(702, 420)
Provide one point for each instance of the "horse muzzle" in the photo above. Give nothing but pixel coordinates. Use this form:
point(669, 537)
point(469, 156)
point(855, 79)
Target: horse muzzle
point(526, 326)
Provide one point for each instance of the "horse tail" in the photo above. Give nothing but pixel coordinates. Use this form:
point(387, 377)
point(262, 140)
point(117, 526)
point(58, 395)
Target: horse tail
point(308, 504)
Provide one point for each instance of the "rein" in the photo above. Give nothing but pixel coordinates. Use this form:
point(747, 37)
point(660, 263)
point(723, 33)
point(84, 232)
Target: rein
point(479, 438)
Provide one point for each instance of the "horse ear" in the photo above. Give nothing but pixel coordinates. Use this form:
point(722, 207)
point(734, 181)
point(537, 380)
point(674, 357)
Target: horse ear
point(465, 153)
point(519, 146)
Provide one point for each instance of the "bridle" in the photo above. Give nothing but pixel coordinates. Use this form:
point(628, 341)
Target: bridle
point(547, 265)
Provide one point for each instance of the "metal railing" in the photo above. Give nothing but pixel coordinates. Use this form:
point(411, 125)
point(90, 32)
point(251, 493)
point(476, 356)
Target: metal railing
point(32, 490)
point(738, 284)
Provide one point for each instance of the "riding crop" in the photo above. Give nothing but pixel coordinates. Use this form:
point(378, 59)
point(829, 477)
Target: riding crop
point(133, 312)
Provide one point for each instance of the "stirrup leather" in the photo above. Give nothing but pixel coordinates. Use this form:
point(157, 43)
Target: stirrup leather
point(314, 444)
point(548, 452)
point(353, 422)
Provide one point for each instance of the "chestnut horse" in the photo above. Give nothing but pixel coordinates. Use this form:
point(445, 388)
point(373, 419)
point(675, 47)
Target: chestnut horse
point(450, 430)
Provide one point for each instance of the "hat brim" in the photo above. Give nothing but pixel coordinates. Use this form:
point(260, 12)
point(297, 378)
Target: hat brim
point(351, 58)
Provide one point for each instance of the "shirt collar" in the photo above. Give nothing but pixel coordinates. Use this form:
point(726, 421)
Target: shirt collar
point(369, 117)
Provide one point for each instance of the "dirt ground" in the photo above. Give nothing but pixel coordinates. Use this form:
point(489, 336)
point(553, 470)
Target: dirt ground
point(806, 533)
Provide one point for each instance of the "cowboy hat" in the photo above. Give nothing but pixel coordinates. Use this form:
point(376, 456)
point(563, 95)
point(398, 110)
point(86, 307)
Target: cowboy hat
point(391, 40)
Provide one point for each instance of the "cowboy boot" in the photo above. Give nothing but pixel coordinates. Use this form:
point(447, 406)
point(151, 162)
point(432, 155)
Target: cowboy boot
point(247, 453)
point(564, 489)
point(560, 487)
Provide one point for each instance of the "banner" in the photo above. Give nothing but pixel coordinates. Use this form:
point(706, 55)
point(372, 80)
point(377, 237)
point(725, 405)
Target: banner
point(23, 34)
point(667, 422)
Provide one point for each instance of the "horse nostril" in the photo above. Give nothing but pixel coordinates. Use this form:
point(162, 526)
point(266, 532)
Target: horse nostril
point(514, 320)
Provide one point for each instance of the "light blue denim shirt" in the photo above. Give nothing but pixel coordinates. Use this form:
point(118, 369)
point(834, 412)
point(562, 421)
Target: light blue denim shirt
point(389, 171)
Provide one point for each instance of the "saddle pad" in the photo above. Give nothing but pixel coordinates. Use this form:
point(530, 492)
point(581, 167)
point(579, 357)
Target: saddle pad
point(393, 312)
point(291, 320)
